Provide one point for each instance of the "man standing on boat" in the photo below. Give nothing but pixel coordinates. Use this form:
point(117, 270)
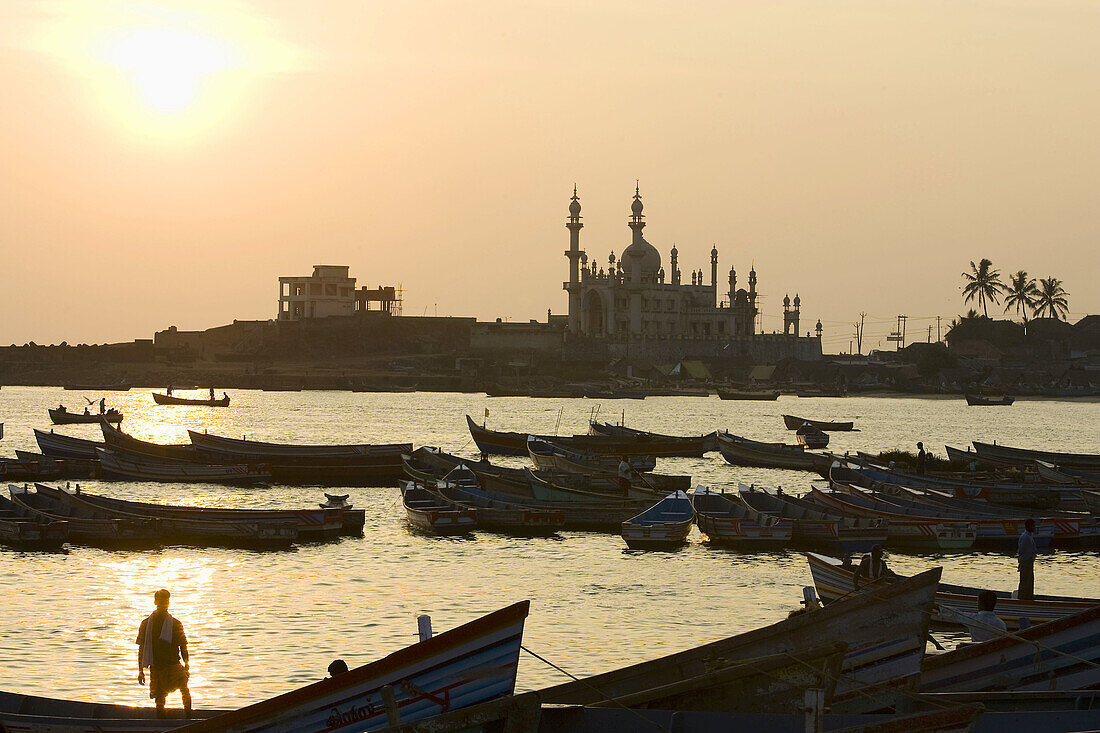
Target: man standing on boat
point(161, 645)
point(1025, 555)
point(922, 458)
point(624, 476)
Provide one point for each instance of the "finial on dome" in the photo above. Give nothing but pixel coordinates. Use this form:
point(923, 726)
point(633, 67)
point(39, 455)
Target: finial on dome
point(575, 203)
point(636, 207)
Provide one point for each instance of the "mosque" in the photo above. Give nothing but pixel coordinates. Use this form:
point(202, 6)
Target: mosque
point(636, 299)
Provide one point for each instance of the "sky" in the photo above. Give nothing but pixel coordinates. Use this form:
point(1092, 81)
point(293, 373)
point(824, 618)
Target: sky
point(163, 163)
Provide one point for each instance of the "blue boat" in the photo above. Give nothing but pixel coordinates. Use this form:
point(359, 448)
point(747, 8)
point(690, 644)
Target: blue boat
point(664, 526)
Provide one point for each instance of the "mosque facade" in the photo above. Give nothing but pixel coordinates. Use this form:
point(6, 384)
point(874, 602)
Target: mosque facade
point(635, 298)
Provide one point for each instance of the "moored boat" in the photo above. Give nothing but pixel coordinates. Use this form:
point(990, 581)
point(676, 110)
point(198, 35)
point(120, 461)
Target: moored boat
point(1028, 456)
point(977, 400)
point(815, 527)
point(432, 513)
point(462, 487)
point(740, 451)
point(664, 526)
point(36, 533)
point(728, 522)
point(748, 394)
point(506, 443)
point(812, 437)
point(794, 423)
point(66, 446)
point(119, 467)
point(83, 528)
point(120, 442)
point(611, 429)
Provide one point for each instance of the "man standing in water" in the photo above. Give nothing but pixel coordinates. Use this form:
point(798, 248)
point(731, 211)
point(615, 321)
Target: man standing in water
point(161, 644)
point(1025, 554)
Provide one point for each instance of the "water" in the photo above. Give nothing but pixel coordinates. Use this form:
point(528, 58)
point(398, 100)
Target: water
point(263, 623)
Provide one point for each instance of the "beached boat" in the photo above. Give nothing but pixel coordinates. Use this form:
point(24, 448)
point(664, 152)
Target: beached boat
point(814, 526)
point(903, 530)
point(884, 633)
point(85, 529)
point(812, 437)
point(794, 423)
point(744, 452)
point(254, 533)
point(473, 664)
point(747, 394)
point(430, 512)
point(977, 400)
point(22, 533)
point(119, 467)
point(1062, 654)
point(313, 524)
point(499, 442)
point(834, 580)
point(664, 526)
point(726, 521)
point(1027, 456)
point(65, 446)
point(64, 417)
point(169, 399)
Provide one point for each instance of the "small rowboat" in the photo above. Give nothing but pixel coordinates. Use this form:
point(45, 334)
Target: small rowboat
point(64, 417)
point(168, 399)
point(733, 523)
point(432, 513)
point(976, 400)
point(664, 526)
point(834, 580)
point(794, 423)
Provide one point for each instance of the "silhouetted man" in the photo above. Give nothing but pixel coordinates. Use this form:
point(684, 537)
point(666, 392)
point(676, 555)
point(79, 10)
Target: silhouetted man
point(873, 568)
point(1025, 555)
point(922, 458)
point(984, 625)
point(161, 644)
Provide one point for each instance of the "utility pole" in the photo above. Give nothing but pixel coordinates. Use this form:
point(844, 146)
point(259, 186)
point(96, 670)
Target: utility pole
point(898, 335)
point(938, 329)
point(929, 333)
point(859, 334)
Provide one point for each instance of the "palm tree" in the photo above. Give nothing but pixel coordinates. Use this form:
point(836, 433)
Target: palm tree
point(983, 283)
point(1051, 299)
point(1021, 293)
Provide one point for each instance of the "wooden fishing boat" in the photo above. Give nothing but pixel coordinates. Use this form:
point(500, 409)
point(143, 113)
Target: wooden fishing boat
point(432, 513)
point(747, 394)
point(1027, 456)
point(25, 470)
point(109, 387)
point(664, 526)
point(726, 521)
point(169, 399)
point(903, 530)
point(461, 487)
point(794, 423)
point(64, 417)
point(313, 524)
point(744, 452)
point(84, 528)
point(208, 442)
point(63, 467)
point(498, 442)
point(118, 467)
point(66, 446)
point(466, 666)
point(21, 533)
point(710, 440)
point(21, 713)
point(554, 458)
point(121, 442)
point(814, 526)
point(834, 580)
point(812, 437)
point(1062, 654)
point(977, 400)
point(884, 631)
point(254, 533)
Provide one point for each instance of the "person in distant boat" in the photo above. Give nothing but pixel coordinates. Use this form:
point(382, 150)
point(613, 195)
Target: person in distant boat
point(161, 645)
point(624, 475)
point(984, 625)
point(61, 408)
point(484, 458)
point(1025, 556)
point(922, 458)
point(86, 411)
point(337, 667)
point(872, 568)
point(211, 393)
point(169, 390)
point(102, 405)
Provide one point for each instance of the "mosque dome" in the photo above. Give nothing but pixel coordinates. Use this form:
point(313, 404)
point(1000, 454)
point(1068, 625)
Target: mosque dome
point(643, 255)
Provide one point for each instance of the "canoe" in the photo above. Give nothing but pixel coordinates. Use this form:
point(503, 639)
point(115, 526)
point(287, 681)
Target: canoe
point(118, 467)
point(664, 526)
point(794, 423)
point(432, 513)
point(466, 666)
point(1027, 456)
point(498, 442)
point(621, 431)
point(903, 530)
point(884, 632)
point(740, 451)
point(814, 526)
point(728, 522)
point(833, 580)
point(59, 417)
point(975, 400)
point(1062, 654)
point(313, 524)
point(34, 533)
point(254, 533)
point(66, 446)
point(167, 399)
point(747, 394)
point(83, 528)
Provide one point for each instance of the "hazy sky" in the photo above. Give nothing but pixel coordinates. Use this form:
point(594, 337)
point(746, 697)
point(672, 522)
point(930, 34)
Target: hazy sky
point(164, 163)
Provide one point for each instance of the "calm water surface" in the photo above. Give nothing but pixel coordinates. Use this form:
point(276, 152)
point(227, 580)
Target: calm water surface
point(263, 623)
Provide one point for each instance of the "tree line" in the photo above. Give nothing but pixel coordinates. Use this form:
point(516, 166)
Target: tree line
point(1029, 299)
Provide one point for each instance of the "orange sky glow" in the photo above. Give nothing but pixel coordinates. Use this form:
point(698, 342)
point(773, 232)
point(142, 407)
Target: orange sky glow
point(165, 162)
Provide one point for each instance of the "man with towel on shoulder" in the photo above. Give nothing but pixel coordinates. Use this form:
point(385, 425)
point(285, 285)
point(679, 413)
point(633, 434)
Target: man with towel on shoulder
point(161, 645)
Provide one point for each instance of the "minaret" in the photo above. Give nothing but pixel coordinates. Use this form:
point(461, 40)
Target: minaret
point(794, 316)
point(714, 269)
point(574, 225)
point(672, 264)
point(733, 284)
point(752, 287)
point(636, 224)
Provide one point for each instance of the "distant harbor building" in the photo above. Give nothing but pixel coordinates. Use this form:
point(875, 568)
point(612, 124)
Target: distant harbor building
point(330, 291)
